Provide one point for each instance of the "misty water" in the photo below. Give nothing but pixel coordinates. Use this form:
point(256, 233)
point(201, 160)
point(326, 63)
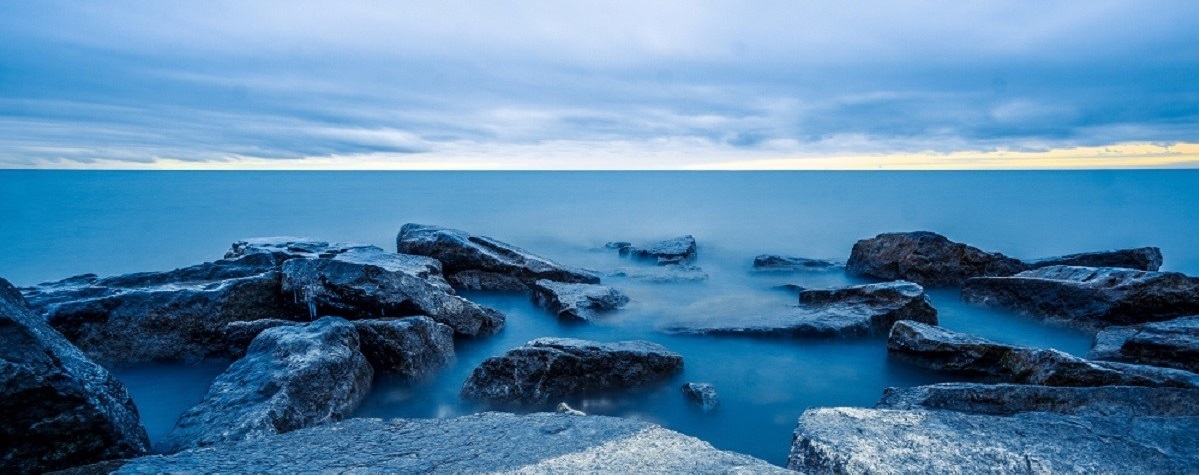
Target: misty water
point(58, 224)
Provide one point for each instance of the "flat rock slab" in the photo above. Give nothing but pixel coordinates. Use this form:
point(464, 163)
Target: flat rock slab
point(883, 441)
point(1007, 399)
point(550, 368)
point(1172, 343)
point(926, 258)
point(674, 251)
point(580, 302)
point(479, 443)
point(662, 274)
point(776, 263)
point(1141, 258)
point(1089, 296)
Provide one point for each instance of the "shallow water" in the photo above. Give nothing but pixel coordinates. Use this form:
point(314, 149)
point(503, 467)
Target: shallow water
point(57, 224)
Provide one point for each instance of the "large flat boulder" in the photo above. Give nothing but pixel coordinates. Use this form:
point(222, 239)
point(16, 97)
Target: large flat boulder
point(58, 408)
point(1089, 296)
point(1007, 399)
point(1140, 258)
point(1172, 343)
point(675, 251)
point(776, 263)
point(926, 258)
point(480, 262)
point(410, 347)
point(944, 350)
point(292, 377)
point(579, 302)
point(550, 368)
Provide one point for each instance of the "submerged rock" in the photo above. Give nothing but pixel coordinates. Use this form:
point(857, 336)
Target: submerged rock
point(292, 377)
point(411, 347)
point(943, 350)
point(1089, 296)
point(549, 368)
point(702, 394)
point(58, 408)
point(662, 274)
point(577, 301)
point(480, 262)
point(680, 250)
point(1007, 399)
point(926, 258)
point(1141, 258)
point(1172, 343)
point(770, 262)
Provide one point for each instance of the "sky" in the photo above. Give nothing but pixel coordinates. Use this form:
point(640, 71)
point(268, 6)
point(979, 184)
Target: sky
point(599, 85)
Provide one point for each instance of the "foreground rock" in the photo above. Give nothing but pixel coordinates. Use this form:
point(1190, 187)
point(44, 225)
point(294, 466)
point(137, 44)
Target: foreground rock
point(944, 350)
point(480, 262)
point(550, 368)
point(1089, 296)
point(580, 302)
point(1172, 343)
point(1007, 399)
point(479, 443)
point(292, 377)
point(663, 274)
point(1141, 258)
point(857, 311)
point(410, 347)
point(702, 394)
point(773, 263)
point(58, 409)
point(926, 258)
point(676, 251)
point(882, 441)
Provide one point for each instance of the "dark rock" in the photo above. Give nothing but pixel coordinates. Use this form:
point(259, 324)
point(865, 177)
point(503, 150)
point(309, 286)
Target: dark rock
point(769, 262)
point(549, 368)
point(1089, 296)
point(944, 350)
point(790, 288)
point(1172, 343)
point(58, 408)
point(479, 443)
point(702, 394)
point(1141, 258)
point(239, 335)
point(489, 264)
point(857, 311)
point(926, 258)
point(577, 301)
point(1007, 399)
point(680, 250)
point(662, 274)
point(411, 347)
point(282, 248)
point(292, 377)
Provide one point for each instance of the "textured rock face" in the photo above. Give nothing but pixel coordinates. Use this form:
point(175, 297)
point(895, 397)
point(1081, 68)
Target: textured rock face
point(702, 394)
point(770, 262)
point(926, 258)
point(410, 347)
point(881, 441)
point(239, 335)
point(282, 248)
point(1172, 343)
point(577, 301)
point(1089, 296)
point(292, 377)
point(680, 250)
point(944, 350)
point(479, 443)
point(480, 262)
point(662, 274)
point(57, 408)
point(861, 310)
point(1007, 399)
point(549, 368)
point(1141, 258)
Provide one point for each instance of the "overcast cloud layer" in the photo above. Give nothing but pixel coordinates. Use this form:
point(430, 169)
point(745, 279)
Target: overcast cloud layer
point(585, 84)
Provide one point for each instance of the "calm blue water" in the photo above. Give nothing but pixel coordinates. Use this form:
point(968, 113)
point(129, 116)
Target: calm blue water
point(57, 224)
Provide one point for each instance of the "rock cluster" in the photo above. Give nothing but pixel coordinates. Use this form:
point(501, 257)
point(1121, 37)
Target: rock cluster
point(675, 251)
point(580, 302)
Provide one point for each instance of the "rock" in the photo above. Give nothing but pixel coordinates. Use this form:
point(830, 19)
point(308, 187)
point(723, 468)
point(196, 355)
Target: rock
point(702, 394)
point(680, 250)
point(577, 301)
point(883, 441)
point(1007, 399)
point(282, 248)
point(566, 409)
point(1089, 296)
point(925, 258)
point(239, 335)
point(58, 408)
point(479, 443)
point(292, 377)
point(857, 311)
point(662, 274)
point(943, 350)
point(1172, 343)
point(550, 368)
point(1141, 258)
point(410, 347)
point(480, 262)
point(770, 262)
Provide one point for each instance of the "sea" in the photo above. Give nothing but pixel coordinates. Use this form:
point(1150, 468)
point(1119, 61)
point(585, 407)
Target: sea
point(55, 224)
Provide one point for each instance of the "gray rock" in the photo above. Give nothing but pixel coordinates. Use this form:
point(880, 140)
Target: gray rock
point(1172, 343)
point(926, 258)
point(1141, 258)
point(675, 251)
point(774, 263)
point(411, 347)
point(702, 394)
point(488, 264)
point(662, 274)
point(550, 368)
point(282, 248)
point(577, 301)
point(1007, 399)
point(565, 408)
point(883, 441)
point(58, 408)
point(479, 443)
point(239, 335)
point(944, 350)
point(857, 311)
point(292, 377)
point(1089, 296)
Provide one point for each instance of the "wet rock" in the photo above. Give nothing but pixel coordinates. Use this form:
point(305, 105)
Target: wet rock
point(943, 350)
point(480, 262)
point(565, 408)
point(680, 250)
point(1172, 343)
point(702, 394)
point(770, 262)
point(410, 347)
point(282, 248)
point(926, 258)
point(1089, 296)
point(239, 335)
point(662, 274)
point(577, 301)
point(549, 368)
point(1007, 399)
point(857, 311)
point(292, 377)
point(879, 441)
point(58, 408)
point(1141, 258)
